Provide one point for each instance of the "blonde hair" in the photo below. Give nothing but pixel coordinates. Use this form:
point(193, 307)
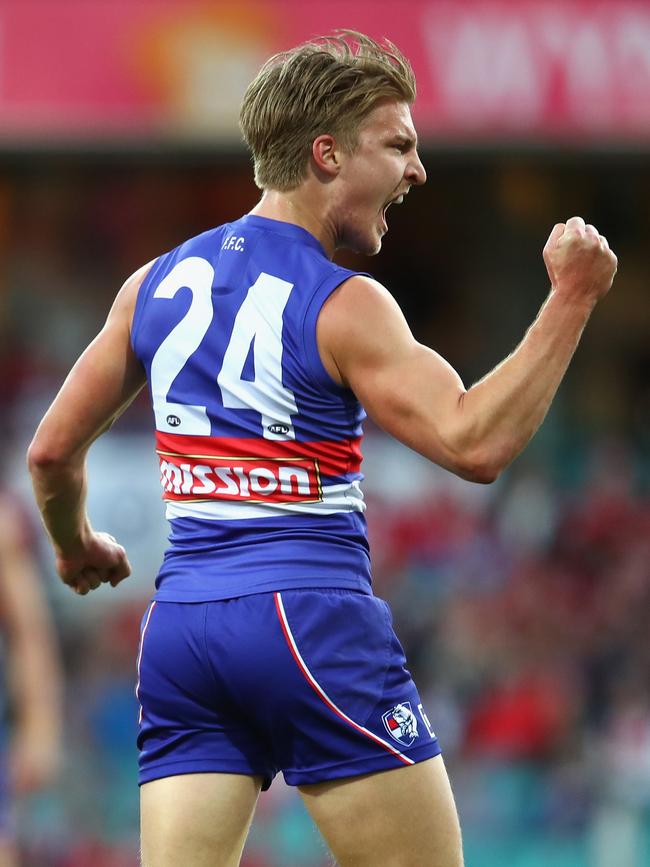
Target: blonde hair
point(328, 85)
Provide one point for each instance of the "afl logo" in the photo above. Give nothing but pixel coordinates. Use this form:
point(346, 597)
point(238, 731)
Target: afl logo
point(278, 428)
point(173, 420)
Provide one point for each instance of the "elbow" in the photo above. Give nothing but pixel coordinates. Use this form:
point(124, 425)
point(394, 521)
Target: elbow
point(44, 459)
point(482, 466)
point(479, 472)
point(485, 475)
point(39, 459)
point(480, 454)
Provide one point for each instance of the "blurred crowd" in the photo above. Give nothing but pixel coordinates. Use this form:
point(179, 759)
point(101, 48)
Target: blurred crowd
point(523, 607)
point(527, 616)
point(524, 610)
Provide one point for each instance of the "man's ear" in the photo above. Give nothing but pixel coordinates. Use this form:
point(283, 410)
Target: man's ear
point(326, 154)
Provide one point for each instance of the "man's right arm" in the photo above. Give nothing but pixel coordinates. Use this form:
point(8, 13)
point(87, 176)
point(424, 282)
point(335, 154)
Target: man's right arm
point(415, 395)
point(103, 382)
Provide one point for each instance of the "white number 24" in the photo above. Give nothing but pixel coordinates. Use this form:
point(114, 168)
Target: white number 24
point(259, 319)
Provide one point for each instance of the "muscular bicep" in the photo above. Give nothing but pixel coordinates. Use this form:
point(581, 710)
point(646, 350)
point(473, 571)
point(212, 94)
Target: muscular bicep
point(407, 388)
point(102, 383)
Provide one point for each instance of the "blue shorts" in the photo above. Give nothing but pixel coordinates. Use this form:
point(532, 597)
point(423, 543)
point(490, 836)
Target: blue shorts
point(309, 682)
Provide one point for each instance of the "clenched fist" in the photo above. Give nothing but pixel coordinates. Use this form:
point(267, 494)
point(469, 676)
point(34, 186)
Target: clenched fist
point(100, 560)
point(579, 262)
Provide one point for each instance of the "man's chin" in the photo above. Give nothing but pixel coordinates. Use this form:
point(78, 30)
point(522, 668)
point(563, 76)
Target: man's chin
point(370, 246)
point(365, 245)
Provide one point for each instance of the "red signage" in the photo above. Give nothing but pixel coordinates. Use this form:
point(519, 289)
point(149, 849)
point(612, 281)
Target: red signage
point(487, 69)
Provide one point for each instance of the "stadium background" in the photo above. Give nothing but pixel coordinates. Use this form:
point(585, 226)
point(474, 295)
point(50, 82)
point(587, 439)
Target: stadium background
point(523, 606)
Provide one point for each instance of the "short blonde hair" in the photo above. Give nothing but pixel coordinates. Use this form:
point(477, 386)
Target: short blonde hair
point(328, 85)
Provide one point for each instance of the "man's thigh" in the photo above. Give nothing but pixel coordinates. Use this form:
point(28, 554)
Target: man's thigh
point(397, 818)
point(196, 820)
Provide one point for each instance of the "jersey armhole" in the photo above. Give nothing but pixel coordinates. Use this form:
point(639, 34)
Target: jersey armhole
point(309, 341)
point(143, 295)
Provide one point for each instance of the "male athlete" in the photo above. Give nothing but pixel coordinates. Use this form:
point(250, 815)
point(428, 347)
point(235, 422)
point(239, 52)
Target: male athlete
point(264, 648)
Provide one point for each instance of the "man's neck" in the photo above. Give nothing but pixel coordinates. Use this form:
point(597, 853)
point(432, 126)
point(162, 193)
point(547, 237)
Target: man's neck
point(294, 207)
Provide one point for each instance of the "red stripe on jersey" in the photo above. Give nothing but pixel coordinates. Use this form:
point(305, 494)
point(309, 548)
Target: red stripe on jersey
point(251, 470)
point(334, 458)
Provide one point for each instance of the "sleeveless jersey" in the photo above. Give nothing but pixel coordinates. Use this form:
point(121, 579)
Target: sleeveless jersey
point(259, 448)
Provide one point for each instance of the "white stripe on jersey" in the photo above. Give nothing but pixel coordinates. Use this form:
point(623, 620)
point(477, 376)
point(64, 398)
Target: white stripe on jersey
point(336, 498)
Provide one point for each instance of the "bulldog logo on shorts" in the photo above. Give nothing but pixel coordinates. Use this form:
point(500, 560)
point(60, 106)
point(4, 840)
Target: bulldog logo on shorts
point(401, 724)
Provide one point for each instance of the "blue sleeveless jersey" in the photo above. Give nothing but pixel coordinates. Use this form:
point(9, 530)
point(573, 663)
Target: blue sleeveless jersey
point(259, 448)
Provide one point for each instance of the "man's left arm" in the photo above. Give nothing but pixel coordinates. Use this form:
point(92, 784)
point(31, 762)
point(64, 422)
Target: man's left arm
point(100, 386)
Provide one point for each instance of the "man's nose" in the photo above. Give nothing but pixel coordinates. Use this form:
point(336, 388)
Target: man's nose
point(416, 173)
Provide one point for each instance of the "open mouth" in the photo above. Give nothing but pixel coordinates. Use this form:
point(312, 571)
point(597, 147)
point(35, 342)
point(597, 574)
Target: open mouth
point(396, 201)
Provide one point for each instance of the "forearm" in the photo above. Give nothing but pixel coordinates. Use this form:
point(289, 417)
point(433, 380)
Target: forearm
point(60, 490)
point(502, 411)
point(85, 559)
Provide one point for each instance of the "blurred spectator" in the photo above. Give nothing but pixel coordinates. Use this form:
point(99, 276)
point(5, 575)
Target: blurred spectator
point(33, 691)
